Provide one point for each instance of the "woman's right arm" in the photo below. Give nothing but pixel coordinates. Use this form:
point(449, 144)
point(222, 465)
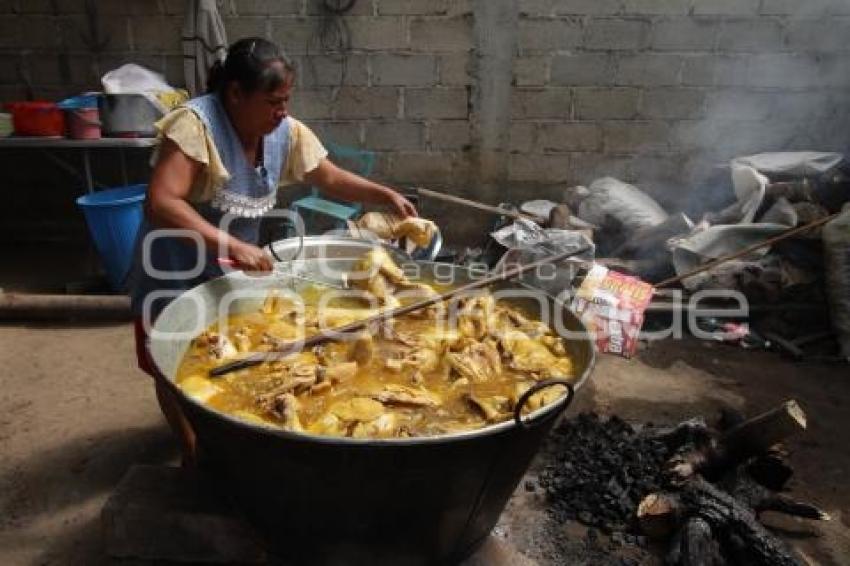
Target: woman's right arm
point(168, 207)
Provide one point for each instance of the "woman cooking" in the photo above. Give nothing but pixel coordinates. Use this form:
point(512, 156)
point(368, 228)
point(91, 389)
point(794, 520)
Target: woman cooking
point(220, 161)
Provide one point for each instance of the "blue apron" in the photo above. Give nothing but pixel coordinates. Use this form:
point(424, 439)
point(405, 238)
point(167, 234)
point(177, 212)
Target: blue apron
point(246, 197)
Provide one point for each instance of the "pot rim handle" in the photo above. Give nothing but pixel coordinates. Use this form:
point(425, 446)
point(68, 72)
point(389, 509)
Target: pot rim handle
point(535, 389)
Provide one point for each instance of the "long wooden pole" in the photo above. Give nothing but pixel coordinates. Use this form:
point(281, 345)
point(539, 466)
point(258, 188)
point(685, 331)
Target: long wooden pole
point(288, 348)
point(479, 205)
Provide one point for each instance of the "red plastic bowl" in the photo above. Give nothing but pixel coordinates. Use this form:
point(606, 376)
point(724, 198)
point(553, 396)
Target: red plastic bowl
point(37, 118)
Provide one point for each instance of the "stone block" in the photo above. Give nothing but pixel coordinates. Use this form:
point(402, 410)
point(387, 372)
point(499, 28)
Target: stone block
point(403, 69)
point(652, 69)
point(684, 34)
point(582, 69)
point(549, 102)
point(548, 35)
point(441, 34)
point(395, 135)
point(616, 34)
point(613, 103)
point(439, 103)
point(570, 136)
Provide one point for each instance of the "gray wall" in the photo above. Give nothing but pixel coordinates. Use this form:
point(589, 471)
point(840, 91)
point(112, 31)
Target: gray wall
point(496, 99)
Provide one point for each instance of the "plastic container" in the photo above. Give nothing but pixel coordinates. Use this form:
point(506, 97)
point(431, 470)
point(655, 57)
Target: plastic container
point(6, 128)
point(37, 118)
point(83, 123)
point(114, 217)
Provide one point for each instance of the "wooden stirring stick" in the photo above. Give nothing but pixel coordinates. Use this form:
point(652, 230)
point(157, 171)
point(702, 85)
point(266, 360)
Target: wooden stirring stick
point(289, 348)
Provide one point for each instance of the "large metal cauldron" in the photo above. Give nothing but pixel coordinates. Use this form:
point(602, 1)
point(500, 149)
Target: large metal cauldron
point(324, 500)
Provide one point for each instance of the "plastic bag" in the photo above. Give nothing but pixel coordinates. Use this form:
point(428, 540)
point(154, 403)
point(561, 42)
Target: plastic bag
point(134, 79)
point(631, 207)
point(836, 243)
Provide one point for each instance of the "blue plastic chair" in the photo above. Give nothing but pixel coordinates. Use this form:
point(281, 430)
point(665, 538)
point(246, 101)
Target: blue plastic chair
point(356, 160)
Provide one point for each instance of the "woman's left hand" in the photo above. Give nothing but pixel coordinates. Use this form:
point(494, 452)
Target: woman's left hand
point(401, 205)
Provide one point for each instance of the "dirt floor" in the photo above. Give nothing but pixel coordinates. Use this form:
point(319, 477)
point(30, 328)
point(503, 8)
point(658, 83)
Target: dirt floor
point(75, 413)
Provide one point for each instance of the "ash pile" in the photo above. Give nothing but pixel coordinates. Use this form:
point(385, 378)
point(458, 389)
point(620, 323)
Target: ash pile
point(695, 491)
point(797, 287)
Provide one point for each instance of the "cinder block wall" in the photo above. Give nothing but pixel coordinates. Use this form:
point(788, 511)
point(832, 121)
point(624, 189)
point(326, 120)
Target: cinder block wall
point(499, 100)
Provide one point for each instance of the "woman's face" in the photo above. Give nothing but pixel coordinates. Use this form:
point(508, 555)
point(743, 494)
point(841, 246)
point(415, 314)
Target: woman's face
point(261, 111)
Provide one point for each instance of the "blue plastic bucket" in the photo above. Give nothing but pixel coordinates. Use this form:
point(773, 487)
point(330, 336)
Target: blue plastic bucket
point(114, 217)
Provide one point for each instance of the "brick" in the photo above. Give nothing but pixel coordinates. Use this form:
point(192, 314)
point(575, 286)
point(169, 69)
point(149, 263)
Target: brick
point(582, 69)
point(684, 34)
point(312, 104)
point(360, 8)
point(809, 8)
point(614, 34)
point(428, 167)
point(653, 7)
point(440, 102)
point(344, 133)
point(559, 137)
point(672, 103)
point(158, 33)
point(521, 136)
point(530, 71)
point(269, 7)
point(548, 35)
point(294, 34)
point(449, 134)
point(698, 70)
point(404, 69)
point(372, 102)
point(635, 136)
point(455, 69)
point(539, 168)
point(737, 105)
point(751, 35)
point(377, 33)
point(827, 35)
point(323, 70)
point(614, 103)
point(726, 7)
point(438, 34)
point(395, 135)
point(784, 70)
point(413, 7)
point(541, 103)
point(652, 69)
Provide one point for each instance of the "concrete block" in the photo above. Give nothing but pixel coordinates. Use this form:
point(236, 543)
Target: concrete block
point(588, 7)
point(413, 7)
point(784, 70)
point(741, 105)
point(372, 102)
point(539, 168)
point(574, 136)
point(531, 71)
point(650, 169)
point(323, 70)
point(751, 35)
point(386, 32)
point(255, 26)
point(46, 7)
point(819, 35)
point(404, 69)
point(655, 7)
point(10, 31)
point(312, 103)
point(345, 133)
point(360, 8)
point(698, 70)
point(169, 515)
point(126, 8)
point(548, 35)
point(293, 34)
point(455, 69)
point(44, 68)
point(439, 102)
point(270, 7)
point(587, 167)
point(441, 34)
point(732, 70)
point(521, 136)
point(173, 70)
point(40, 32)
point(684, 34)
point(449, 134)
point(613, 103)
point(807, 9)
point(549, 102)
point(616, 34)
point(726, 7)
point(635, 136)
point(159, 33)
point(582, 69)
point(395, 135)
point(673, 103)
point(422, 167)
point(653, 69)
point(9, 64)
